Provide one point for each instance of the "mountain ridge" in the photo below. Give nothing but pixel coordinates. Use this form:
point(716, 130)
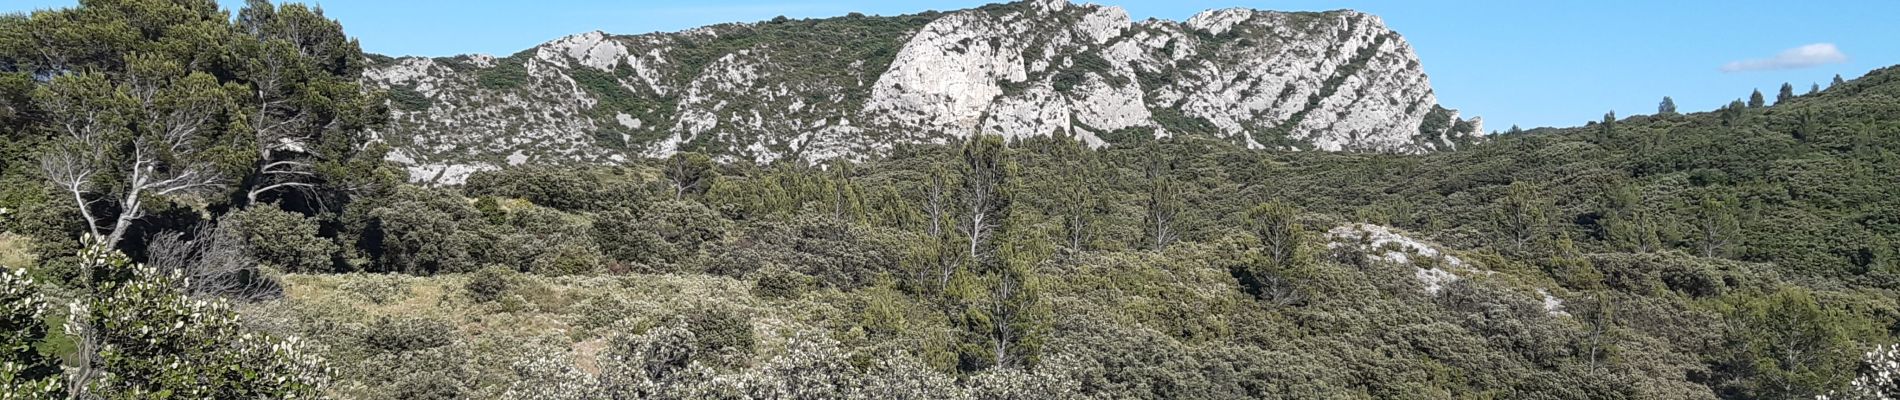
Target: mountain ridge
point(852, 86)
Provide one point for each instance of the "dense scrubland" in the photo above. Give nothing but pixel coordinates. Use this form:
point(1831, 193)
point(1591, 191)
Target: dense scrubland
point(244, 238)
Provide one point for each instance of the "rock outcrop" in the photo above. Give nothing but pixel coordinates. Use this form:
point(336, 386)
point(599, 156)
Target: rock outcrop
point(854, 86)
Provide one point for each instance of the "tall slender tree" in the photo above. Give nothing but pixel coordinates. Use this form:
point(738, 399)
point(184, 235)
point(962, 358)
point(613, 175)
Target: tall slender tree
point(983, 198)
point(1755, 100)
point(1717, 222)
point(1786, 93)
point(1521, 216)
point(1163, 205)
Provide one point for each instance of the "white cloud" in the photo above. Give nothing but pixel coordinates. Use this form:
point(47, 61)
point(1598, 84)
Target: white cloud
point(1796, 58)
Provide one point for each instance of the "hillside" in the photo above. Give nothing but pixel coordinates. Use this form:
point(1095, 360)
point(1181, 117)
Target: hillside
point(854, 86)
point(200, 206)
point(1739, 253)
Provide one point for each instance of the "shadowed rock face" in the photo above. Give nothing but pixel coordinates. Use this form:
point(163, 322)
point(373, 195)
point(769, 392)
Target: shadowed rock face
point(854, 86)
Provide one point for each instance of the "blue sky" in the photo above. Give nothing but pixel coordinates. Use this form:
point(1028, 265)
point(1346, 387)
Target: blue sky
point(1530, 63)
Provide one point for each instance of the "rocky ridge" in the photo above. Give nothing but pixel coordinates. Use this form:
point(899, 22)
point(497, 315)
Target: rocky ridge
point(853, 86)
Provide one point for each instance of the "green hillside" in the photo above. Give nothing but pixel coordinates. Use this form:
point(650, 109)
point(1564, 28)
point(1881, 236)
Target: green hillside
point(1742, 253)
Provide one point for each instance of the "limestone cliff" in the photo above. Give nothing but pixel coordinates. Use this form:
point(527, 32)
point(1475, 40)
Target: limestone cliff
point(853, 86)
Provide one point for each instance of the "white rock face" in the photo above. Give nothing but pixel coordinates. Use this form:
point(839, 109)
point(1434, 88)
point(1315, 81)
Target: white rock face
point(1335, 81)
point(949, 74)
point(592, 49)
point(1552, 304)
point(1382, 244)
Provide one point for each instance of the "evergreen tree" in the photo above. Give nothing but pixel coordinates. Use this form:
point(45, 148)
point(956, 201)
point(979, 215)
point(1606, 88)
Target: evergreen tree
point(1514, 130)
point(1082, 202)
point(1755, 100)
point(161, 102)
point(1625, 225)
point(1668, 106)
point(1837, 81)
point(1521, 216)
point(1718, 222)
point(983, 198)
point(1608, 127)
point(1786, 93)
point(1008, 321)
point(1163, 204)
point(691, 173)
point(1813, 90)
point(305, 106)
point(1787, 344)
point(997, 286)
point(1732, 113)
point(1282, 237)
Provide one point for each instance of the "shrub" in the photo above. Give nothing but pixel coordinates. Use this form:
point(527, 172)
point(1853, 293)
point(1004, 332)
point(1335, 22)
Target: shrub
point(404, 334)
point(282, 239)
point(377, 288)
point(670, 236)
point(23, 369)
point(778, 282)
point(722, 333)
point(491, 283)
point(140, 336)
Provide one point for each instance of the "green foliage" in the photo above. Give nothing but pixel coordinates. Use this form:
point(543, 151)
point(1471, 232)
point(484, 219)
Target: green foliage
point(1521, 217)
point(282, 239)
point(407, 98)
point(1788, 344)
point(139, 336)
point(561, 188)
point(507, 73)
point(421, 232)
point(779, 282)
point(668, 236)
point(25, 370)
point(690, 173)
point(407, 334)
point(490, 284)
point(1583, 262)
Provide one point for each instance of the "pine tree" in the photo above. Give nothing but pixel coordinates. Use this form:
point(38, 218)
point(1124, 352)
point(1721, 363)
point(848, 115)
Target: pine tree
point(1625, 225)
point(306, 108)
point(1164, 203)
point(1668, 106)
point(1717, 220)
point(983, 198)
point(157, 102)
point(691, 173)
point(1837, 81)
point(997, 287)
point(1608, 126)
point(1521, 216)
point(1281, 257)
point(1755, 100)
point(1282, 237)
point(1732, 113)
point(1786, 93)
point(1082, 202)
point(1816, 89)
